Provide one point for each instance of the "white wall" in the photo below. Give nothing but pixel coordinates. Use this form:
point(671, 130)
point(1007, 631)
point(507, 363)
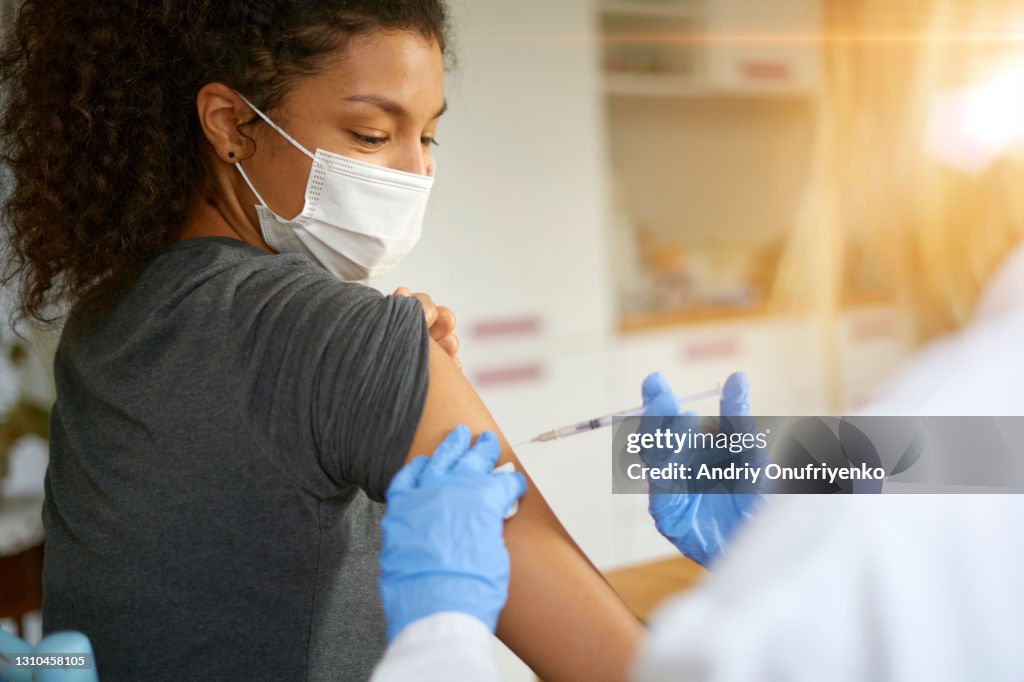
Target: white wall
point(517, 219)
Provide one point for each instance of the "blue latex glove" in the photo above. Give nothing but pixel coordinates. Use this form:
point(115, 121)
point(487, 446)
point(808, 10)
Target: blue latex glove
point(59, 643)
point(700, 525)
point(443, 547)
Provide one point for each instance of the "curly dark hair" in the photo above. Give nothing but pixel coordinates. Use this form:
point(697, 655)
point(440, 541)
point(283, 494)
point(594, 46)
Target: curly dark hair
point(99, 129)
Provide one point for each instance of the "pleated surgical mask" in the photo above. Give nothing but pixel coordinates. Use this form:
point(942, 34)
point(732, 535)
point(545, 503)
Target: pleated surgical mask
point(359, 220)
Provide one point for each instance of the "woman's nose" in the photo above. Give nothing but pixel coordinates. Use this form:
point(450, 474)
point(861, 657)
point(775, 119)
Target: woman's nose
point(414, 160)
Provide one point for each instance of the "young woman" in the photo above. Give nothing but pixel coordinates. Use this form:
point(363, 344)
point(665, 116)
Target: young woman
point(201, 182)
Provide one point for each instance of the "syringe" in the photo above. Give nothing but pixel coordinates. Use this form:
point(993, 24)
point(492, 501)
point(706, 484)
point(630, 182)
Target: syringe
point(607, 420)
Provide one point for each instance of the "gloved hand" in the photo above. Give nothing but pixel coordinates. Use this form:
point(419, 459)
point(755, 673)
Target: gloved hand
point(443, 547)
point(58, 643)
point(700, 524)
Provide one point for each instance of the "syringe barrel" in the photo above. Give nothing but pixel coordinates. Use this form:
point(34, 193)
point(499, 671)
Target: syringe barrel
point(584, 426)
point(548, 435)
point(609, 419)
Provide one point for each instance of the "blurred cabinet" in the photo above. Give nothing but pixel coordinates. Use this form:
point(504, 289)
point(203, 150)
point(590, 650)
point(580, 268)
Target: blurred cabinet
point(871, 343)
point(788, 359)
point(784, 358)
point(710, 47)
point(767, 47)
point(709, 107)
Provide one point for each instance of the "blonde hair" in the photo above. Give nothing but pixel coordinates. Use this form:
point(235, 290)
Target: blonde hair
point(937, 233)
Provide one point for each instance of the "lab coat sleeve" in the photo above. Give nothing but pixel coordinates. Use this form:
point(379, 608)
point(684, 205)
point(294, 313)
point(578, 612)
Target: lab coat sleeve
point(760, 613)
point(448, 646)
point(851, 588)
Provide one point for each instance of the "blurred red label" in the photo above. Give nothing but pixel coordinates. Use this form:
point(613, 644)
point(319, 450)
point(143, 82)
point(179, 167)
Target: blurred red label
point(512, 374)
point(509, 326)
point(765, 71)
point(873, 328)
point(711, 349)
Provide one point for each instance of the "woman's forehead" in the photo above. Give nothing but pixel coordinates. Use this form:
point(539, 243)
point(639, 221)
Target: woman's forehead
point(400, 73)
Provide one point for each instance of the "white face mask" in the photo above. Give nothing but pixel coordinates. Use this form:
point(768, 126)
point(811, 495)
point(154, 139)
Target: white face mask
point(359, 220)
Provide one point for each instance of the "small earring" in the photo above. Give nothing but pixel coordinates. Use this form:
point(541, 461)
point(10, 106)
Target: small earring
point(231, 155)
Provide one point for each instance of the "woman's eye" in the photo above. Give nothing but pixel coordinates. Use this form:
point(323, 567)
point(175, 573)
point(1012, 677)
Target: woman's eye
point(429, 140)
point(369, 140)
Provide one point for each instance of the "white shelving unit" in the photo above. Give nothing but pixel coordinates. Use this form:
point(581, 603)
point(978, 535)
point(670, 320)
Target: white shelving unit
point(710, 48)
point(702, 94)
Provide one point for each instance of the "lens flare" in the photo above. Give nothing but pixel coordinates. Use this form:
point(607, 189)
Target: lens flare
point(971, 127)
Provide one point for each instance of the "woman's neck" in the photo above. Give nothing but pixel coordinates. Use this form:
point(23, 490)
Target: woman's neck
point(214, 218)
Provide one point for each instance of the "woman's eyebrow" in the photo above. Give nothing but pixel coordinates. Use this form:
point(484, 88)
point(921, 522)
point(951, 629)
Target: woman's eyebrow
point(390, 106)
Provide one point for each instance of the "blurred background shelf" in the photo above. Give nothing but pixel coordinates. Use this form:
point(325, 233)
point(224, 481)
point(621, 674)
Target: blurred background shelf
point(653, 8)
point(654, 85)
point(641, 322)
point(709, 48)
point(669, 319)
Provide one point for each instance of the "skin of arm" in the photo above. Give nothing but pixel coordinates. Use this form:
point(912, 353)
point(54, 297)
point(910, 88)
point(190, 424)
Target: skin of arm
point(562, 618)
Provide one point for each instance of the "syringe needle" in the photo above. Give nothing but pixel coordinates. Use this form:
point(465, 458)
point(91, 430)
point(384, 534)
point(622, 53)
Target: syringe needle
point(588, 425)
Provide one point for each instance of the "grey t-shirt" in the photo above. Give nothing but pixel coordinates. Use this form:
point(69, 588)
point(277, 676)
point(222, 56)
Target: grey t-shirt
point(217, 444)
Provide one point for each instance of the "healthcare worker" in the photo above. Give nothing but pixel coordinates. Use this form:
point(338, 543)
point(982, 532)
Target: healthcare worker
point(196, 190)
point(923, 161)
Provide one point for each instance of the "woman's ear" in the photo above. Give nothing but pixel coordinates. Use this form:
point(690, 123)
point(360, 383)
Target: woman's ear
point(221, 111)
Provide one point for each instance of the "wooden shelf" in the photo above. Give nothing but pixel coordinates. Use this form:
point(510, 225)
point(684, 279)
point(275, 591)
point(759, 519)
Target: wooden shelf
point(641, 322)
point(653, 321)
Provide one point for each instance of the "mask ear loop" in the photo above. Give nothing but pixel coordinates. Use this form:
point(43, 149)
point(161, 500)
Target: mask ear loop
point(273, 125)
point(238, 165)
point(292, 140)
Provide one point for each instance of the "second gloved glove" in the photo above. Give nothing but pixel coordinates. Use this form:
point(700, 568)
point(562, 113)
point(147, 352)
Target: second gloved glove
point(443, 547)
point(700, 524)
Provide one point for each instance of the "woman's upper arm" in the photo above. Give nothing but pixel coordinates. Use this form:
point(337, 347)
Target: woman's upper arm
point(561, 618)
point(330, 377)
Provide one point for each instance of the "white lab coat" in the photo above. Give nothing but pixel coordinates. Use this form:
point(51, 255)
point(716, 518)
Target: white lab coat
point(890, 587)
